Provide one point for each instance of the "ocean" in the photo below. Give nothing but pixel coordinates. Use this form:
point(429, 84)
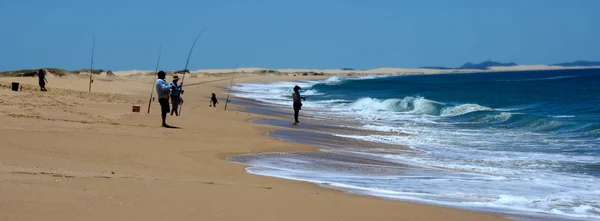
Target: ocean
point(524, 144)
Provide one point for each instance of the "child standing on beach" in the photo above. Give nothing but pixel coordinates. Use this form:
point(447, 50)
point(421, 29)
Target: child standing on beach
point(213, 101)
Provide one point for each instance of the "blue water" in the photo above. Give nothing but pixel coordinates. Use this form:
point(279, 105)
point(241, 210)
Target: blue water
point(540, 95)
point(516, 142)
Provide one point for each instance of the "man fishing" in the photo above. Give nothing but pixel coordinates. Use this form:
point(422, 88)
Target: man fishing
point(42, 79)
point(297, 102)
point(175, 95)
point(163, 89)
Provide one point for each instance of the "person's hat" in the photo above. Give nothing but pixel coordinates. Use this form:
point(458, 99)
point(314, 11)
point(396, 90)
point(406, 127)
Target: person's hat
point(175, 77)
point(297, 88)
point(162, 73)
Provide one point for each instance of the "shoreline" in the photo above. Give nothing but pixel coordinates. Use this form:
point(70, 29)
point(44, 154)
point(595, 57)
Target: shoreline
point(289, 133)
point(286, 133)
point(283, 130)
point(69, 154)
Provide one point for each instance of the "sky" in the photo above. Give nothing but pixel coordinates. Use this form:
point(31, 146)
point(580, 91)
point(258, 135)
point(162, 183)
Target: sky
point(320, 34)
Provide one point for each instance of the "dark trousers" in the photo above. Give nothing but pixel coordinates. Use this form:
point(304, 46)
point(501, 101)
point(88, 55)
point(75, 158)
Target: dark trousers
point(164, 108)
point(297, 108)
point(296, 112)
point(42, 84)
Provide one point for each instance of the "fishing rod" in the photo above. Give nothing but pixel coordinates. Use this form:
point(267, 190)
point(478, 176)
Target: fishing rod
point(92, 63)
point(155, 74)
point(186, 65)
point(231, 83)
point(211, 81)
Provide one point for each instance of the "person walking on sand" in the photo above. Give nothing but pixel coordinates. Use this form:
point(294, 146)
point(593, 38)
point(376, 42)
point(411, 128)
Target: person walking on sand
point(42, 79)
point(213, 101)
point(297, 102)
point(175, 95)
point(163, 91)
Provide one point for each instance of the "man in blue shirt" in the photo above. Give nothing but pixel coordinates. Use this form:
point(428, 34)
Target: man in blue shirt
point(175, 95)
point(163, 89)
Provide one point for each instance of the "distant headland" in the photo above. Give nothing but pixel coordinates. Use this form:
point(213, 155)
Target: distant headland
point(487, 65)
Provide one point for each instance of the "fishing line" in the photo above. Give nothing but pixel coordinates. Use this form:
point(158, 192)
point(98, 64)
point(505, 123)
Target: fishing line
point(186, 65)
point(92, 62)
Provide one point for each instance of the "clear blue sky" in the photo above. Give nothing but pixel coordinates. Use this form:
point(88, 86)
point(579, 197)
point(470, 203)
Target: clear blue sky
point(295, 33)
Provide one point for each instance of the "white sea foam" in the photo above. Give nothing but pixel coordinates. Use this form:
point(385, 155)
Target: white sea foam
point(334, 80)
point(563, 116)
point(546, 193)
point(418, 105)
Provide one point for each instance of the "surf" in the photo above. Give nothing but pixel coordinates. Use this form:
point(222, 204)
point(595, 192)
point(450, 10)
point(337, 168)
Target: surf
point(539, 131)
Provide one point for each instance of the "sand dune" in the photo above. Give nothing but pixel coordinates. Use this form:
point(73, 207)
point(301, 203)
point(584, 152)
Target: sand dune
point(383, 70)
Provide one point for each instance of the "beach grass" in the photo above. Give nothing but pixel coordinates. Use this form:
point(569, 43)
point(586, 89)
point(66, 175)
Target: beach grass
point(94, 71)
point(54, 71)
point(33, 72)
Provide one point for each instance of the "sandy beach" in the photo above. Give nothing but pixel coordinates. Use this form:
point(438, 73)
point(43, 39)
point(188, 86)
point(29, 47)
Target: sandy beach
point(67, 154)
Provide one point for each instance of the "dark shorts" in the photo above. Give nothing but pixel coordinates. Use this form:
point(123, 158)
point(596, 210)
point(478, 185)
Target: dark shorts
point(42, 83)
point(297, 107)
point(164, 105)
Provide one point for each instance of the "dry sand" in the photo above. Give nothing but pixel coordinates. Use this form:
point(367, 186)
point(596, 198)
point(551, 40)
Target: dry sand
point(67, 154)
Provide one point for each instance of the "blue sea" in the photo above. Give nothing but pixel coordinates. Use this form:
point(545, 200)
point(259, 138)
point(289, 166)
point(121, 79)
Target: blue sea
point(517, 143)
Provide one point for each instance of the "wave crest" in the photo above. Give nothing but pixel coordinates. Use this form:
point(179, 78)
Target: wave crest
point(417, 105)
point(463, 109)
point(335, 80)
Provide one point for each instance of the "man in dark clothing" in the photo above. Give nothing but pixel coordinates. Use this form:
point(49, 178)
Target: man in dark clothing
point(297, 102)
point(42, 79)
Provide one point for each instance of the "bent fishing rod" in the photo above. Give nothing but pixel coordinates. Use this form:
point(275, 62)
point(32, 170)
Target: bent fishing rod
point(155, 75)
point(92, 63)
point(186, 65)
point(230, 83)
